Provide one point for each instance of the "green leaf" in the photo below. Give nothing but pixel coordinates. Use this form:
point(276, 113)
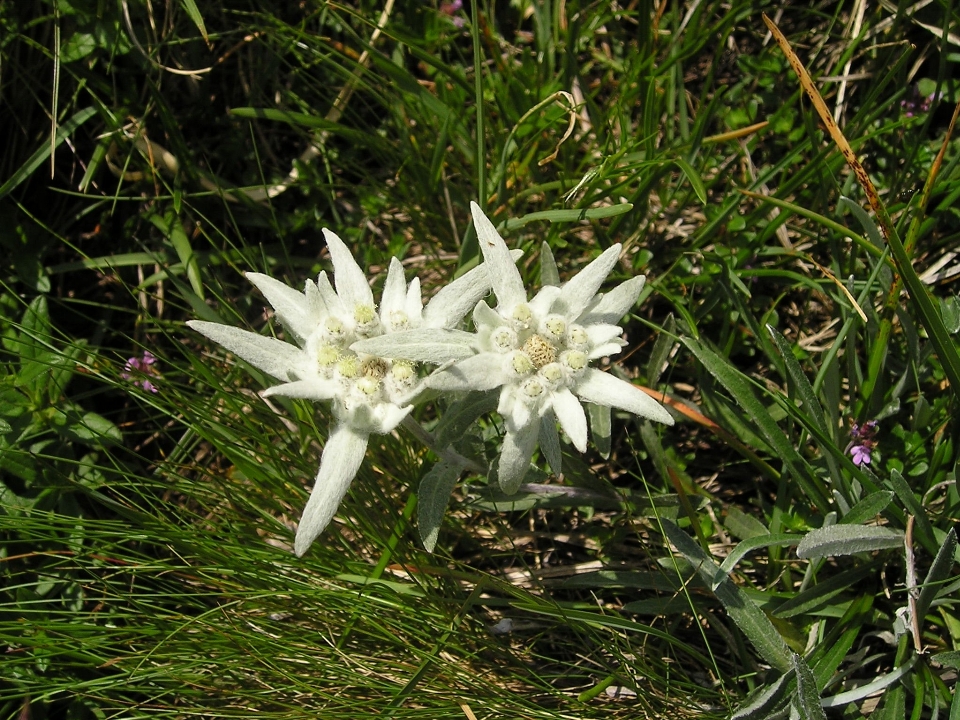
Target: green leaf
point(755, 543)
point(35, 331)
point(810, 405)
point(567, 215)
point(939, 571)
point(913, 506)
point(433, 498)
point(462, 414)
point(868, 508)
point(742, 525)
point(950, 312)
point(766, 702)
point(808, 697)
point(815, 597)
point(837, 540)
point(748, 617)
point(600, 428)
point(661, 349)
point(194, 12)
point(37, 159)
point(171, 227)
point(695, 182)
point(738, 386)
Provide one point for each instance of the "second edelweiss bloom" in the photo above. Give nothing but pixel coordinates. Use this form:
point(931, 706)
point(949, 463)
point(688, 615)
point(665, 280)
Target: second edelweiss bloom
point(538, 352)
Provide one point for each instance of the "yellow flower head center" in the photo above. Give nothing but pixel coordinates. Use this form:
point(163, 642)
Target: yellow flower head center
point(374, 367)
point(349, 366)
point(575, 360)
point(539, 351)
point(368, 386)
point(327, 356)
point(521, 363)
point(364, 314)
point(403, 371)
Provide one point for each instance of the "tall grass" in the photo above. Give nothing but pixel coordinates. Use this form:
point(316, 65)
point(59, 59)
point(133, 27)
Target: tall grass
point(146, 537)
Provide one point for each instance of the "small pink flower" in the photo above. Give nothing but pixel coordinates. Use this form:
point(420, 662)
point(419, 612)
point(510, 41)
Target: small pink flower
point(140, 370)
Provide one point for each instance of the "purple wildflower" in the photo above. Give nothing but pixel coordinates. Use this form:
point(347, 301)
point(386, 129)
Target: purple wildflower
point(862, 442)
point(140, 370)
point(861, 455)
point(451, 9)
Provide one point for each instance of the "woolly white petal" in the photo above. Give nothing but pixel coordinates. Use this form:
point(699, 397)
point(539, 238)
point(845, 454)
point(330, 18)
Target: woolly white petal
point(605, 389)
point(572, 419)
point(339, 463)
point(606, 350)
point(292, 308)
point(483, 371)
point(602, 334)
point(329, 296)
point(543, 301)
point(429, 345)
point(273, 356)
point(504, 277)
point(580, 290)
point(452, 303)
point(352, 286)
point(414, 303)
point(485, 316)
point(394, 296)
point(614, 304)
point(515, 456)
point(316, 390)
point(382, 418)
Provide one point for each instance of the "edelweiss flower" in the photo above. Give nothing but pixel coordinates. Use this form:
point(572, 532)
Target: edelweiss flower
point(538, 352)
point(369, 394)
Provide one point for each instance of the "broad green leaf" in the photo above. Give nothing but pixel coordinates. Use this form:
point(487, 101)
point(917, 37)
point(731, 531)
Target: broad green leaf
point(171, 227)
point(808, 697)
point(600, 427)
point(767, 702)
point(843, 699)
point(37, 159)
point(694, 178)
point(462, 414)
point(950, 658)
point(869, 226)
point(810, 405)
point(817, 596)
point(742, 525)
point(661, 349)
point(846, 540)
point(939, 571)
point(950, 312)
point(738, 386)
point(35, 331)
point(755, 543)
point(433, 497)
point(868, 508)
point(555, 216)
point(913, 506)
point(748, 617)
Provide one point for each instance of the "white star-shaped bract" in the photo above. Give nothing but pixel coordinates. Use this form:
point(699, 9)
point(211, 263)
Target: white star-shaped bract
point(369, 393)
point(538, 352)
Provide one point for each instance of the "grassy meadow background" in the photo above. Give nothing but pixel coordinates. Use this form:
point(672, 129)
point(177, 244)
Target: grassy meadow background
point(155, 150)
